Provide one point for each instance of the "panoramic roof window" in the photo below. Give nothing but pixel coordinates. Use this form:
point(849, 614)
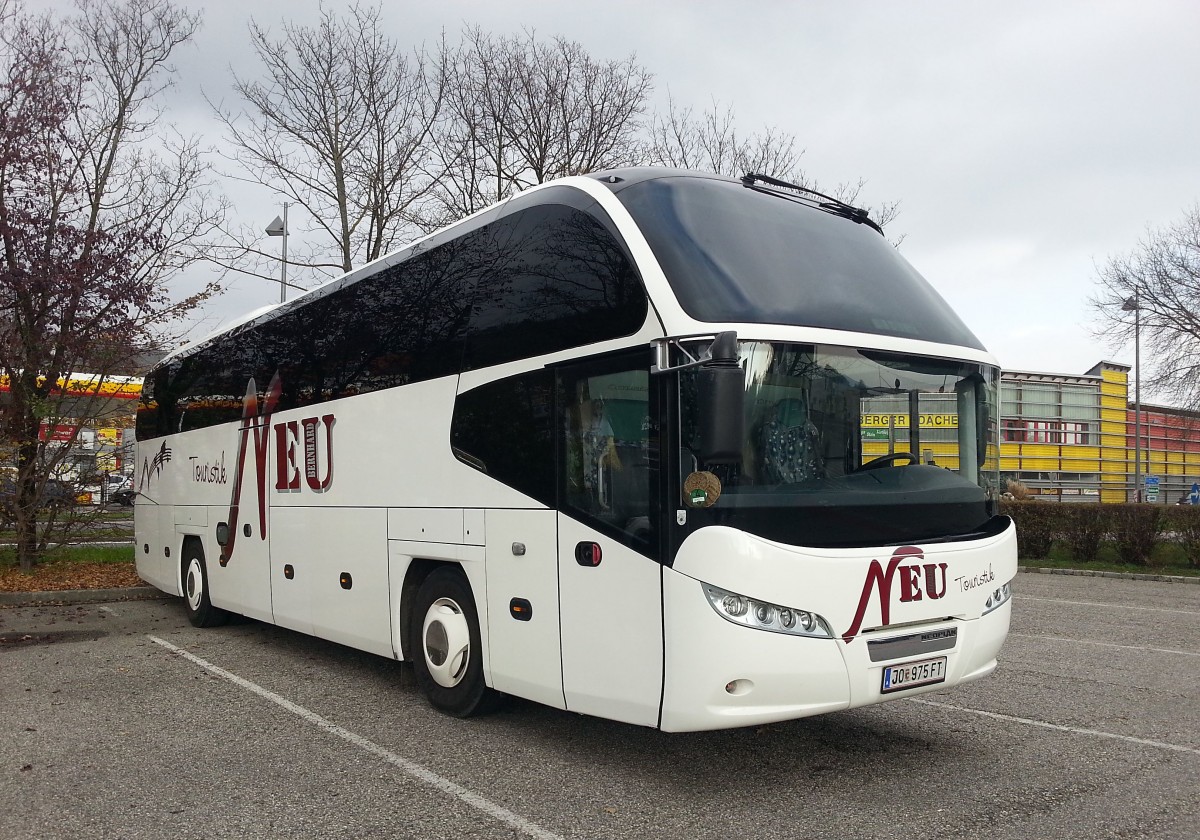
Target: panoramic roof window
point(734, 253)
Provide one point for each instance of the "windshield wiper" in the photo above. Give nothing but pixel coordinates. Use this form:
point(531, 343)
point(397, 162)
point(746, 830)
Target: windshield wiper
point(829, 204)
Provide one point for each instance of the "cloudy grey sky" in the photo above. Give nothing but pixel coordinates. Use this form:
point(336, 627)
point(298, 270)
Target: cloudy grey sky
point(1026, 141)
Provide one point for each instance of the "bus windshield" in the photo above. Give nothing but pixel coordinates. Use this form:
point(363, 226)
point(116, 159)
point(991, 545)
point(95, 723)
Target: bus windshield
point(846, 447)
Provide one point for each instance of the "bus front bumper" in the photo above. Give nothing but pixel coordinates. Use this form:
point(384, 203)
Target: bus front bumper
point(720, 675)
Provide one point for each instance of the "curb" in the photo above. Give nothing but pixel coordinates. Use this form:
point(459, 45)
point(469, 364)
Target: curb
point(80, 596)
point(1122, 575)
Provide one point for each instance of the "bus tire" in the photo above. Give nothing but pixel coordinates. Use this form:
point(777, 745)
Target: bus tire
point(447, 651)
point(201, 612)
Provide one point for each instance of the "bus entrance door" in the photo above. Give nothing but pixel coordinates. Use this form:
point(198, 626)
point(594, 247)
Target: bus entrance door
point(610, 594)
point(611, 603)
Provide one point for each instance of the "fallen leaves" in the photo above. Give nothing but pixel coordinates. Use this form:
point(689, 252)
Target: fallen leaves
point(58, 577)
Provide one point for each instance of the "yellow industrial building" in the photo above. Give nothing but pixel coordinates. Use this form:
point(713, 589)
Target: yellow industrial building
point(1064, 437)
point(1072, 438)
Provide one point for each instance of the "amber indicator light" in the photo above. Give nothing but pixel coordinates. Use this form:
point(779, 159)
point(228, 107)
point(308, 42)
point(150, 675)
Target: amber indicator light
point(520, 609)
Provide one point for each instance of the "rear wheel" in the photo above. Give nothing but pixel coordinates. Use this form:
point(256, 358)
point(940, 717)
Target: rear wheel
point(447, 652)
point(200, 610)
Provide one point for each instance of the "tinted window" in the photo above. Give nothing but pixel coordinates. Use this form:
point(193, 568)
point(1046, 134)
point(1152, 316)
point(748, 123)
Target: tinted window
point(179, 396)
point(557, 279)
point(406, 323)
point(736, 254)
point(544, 278)
point(609, 449)
point(505, 429)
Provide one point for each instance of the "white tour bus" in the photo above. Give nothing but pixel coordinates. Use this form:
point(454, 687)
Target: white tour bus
point(675, 449)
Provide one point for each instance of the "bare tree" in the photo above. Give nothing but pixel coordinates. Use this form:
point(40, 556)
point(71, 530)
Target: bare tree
point(1157, 287)
point(97, 209)
point(340, 125)
point(136, 172)
point(570, 114)
point(376, 145)
point(711, 142)
point(520, 111)
point(471, 144)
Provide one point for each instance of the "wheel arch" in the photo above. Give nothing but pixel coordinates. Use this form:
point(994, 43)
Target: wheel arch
point(469, 691)
point(187, 541)
point(200, 609)
point(418, 570)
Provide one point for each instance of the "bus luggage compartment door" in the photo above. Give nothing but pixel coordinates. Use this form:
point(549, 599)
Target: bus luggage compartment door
point(523, 650)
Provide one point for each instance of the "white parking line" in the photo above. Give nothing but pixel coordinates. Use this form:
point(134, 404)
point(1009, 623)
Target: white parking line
point(1095, 733)
point(413, 769)
point(1109, 606)
point(1106, 644)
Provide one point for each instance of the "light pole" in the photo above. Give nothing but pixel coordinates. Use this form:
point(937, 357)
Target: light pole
point(279, 227)
point(1132, 305)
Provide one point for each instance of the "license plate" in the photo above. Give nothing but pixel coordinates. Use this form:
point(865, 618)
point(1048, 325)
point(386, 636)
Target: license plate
point(913, 674)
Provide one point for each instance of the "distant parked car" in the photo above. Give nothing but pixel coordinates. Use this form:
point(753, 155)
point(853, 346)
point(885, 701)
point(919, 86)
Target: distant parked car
point(120, 489)
point(57, 494)
point(124, 496)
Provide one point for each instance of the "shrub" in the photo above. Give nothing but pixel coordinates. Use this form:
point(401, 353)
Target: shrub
point(1017, 490)
point(1134, 530)
point(1084, 527)
point(1037, 526)
point(1182, 523)
point(1137, 532)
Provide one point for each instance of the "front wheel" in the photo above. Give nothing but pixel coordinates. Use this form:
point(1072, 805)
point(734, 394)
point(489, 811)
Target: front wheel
point(447, 652)
point(201, 612)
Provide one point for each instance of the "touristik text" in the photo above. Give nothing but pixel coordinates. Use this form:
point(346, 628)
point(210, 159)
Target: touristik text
point(209, 472)
point(966, 584)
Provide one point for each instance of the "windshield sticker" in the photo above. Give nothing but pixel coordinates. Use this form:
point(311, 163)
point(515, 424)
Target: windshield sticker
point(701, 489)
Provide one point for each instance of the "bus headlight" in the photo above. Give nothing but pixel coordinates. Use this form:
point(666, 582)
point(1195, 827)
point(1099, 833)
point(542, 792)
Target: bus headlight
point(998, 598)
point(761, 615)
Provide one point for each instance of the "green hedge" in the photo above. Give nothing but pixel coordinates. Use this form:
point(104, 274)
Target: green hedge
point(1038, 526)
point(1132, 530)
point(1084, 528)
point(1182, 523)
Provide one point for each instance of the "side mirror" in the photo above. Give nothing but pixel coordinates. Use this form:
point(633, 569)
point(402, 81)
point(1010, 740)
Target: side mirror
point(721, 395)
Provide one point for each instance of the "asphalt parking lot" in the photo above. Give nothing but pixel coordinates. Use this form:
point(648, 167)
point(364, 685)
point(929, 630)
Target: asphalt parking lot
point(121, 720)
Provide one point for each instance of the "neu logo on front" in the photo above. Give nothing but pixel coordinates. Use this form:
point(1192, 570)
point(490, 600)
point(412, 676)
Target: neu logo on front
point(918, 581)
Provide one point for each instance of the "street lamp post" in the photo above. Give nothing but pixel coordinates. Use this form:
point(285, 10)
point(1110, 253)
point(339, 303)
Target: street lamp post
point(279, 227)
point(1133, 305)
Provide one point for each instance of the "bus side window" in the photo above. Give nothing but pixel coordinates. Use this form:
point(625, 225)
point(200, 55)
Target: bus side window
point(505, 429)
point(558, 279)
point(607, 449)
